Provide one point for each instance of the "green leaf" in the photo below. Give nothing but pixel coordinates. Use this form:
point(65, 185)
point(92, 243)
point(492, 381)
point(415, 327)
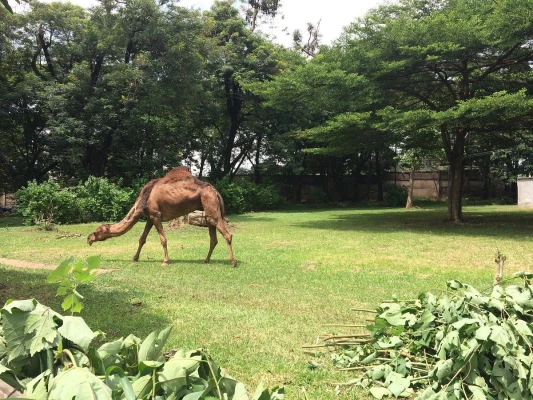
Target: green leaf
point(173, 377)
point(443, 369)
point(397, 383)
point(62, 271)
point(44, 330)
point(73, 303)
point(152, 346)
point(380, 392)
point(80, 384)
point(142, 386)
point(76, 330)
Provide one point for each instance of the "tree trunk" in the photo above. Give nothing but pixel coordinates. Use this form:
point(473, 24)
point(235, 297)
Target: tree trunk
point(409, 203)
point(379, 176)
point(455, 156)
point(233, 106)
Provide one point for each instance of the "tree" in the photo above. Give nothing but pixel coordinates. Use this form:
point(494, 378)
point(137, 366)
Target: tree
point(238, 57)
point(461, 67)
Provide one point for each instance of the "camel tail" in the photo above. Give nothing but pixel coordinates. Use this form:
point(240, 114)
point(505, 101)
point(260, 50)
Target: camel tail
point(222, 206)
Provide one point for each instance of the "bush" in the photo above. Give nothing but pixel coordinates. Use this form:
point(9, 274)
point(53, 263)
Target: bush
point(395, 196)
point(101, 200)
point(97, 199)
point(242, 195)
point(45, 204)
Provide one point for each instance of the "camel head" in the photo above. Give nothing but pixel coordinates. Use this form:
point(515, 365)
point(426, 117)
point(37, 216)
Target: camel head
point(101, 233)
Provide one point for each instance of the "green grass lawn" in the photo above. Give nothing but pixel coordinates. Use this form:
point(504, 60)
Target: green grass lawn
point(298, 269)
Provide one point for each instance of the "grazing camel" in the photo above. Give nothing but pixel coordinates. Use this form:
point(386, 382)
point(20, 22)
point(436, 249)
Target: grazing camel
point(176, 194)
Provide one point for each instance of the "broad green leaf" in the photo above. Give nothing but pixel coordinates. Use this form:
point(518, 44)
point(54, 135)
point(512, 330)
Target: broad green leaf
point(173, 377)
point(61, 271)
point(142, 386)
point(453, 284)
point(443, 369)
point(240, 392)
point(36, 389)
point(483, 332)
point(78, 383)
point(43, 328)
point(397, 383)
point(380, 392)
point(72, 302)
point(14, 325)
point(127, 388)
point(18, 306)
point(477, 393)
point(76, 330)
point(152, 346)
point(108, 352)
point(500, 336)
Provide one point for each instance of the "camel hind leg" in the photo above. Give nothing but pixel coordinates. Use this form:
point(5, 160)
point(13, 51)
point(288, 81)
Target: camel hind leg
point(159, 226)
point(142, 239)
point(220, 225)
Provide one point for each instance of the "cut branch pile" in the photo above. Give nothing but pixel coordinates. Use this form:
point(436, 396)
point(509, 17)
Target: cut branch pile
point(463, 344)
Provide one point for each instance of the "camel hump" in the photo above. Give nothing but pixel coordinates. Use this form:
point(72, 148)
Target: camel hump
point(183, 174)
point(180, 173)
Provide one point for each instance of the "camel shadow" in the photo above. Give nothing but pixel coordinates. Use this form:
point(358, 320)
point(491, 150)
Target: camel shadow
point(157, 263)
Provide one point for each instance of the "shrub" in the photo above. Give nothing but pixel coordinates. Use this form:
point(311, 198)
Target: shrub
point(319, 196)
point(97, 199)
point(395, 196)
point(242, 195)
point(45, 204)
point(101, 200)
point(49, 356)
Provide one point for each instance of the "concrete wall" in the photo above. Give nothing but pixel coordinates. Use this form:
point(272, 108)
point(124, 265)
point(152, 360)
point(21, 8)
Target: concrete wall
point(525, 192)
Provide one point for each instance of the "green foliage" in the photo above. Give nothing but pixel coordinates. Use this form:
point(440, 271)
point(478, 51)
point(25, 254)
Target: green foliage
point(46, 355)
point(395, 196)
point(46, 203)
point(241, 195)
point(101, 200)
point(69, 274)
point(95, 200)
point(462, 344)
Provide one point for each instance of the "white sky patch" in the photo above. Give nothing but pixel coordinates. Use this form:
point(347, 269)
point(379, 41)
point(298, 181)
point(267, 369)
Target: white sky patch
point(332, 14)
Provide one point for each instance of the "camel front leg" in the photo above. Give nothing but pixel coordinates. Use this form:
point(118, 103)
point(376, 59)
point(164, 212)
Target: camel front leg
point(142, 239)
point(159, 226)
point(213, 242)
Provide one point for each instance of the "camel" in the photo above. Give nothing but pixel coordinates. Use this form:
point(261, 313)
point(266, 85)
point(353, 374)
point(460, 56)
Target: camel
point(176, 194)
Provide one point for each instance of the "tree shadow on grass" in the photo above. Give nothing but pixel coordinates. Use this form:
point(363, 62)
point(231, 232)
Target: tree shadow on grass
point(509, 224)
point(109, 309)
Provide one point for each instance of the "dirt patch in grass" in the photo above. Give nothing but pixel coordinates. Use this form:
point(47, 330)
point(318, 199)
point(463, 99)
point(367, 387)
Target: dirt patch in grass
point(34, 265)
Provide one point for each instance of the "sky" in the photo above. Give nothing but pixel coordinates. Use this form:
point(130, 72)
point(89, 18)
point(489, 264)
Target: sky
point(332, 14)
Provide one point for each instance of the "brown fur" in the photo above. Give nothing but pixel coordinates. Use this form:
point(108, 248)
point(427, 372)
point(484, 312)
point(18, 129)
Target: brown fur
point(176, 194)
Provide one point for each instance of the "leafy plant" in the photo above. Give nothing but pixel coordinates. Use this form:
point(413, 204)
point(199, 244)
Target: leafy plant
point(461, 345)
point(45, 204)
point(101, 200)
point(395, 196)
point(46, 355)
point(69, 274)
point(242, 195)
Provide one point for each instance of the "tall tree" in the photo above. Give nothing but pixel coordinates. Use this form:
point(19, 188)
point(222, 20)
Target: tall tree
point(461, 67)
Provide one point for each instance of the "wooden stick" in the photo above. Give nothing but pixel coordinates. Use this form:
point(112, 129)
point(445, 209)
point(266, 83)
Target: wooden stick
point(362, 335)
point(364, 310)
point(346, 326)
point(353, 368)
